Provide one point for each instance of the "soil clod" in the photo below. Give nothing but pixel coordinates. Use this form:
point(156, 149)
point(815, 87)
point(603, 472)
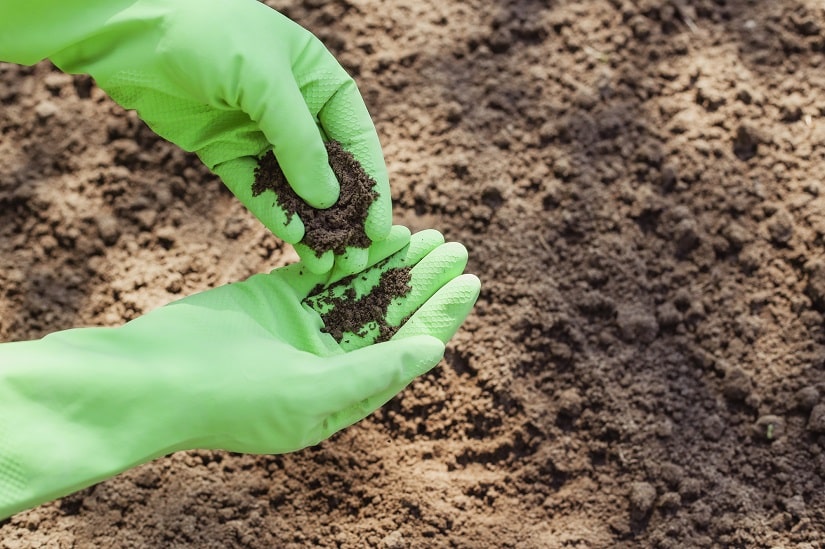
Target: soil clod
point(335, 228)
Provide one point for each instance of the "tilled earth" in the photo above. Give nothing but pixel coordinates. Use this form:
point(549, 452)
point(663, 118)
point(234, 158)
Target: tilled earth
point(640, 187)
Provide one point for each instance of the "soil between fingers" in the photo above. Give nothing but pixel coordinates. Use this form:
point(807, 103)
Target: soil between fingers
point(335, 228)
point(360, 315)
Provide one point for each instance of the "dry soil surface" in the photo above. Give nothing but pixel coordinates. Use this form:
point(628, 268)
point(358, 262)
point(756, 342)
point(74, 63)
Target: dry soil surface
point(640, 186)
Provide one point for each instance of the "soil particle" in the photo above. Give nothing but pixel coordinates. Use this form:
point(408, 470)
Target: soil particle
point(394, 540)
point(736, 235)
point(737, 384)
point(642, 498)
point(335, 228)
point(816, 283)
point(816, 420)
point(671, 473)
point(108, 228)
point(358, 315)
point(46, 109)
point(668, 315)
point(570, 403)
point(670, 501)
point(713, 427)
point(690, 488)
point(790, 109)
point(746, 141)
point(795, 505)
point(780, 227)
point(806, 398)
point(686, 237)
point(637, 323)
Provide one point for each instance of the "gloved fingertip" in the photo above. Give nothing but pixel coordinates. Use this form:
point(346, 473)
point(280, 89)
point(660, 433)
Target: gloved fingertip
point(444, 313)
point(315, 264)
point(354, 260)
point(290, 229)
point(423, 353)
point(379, 218)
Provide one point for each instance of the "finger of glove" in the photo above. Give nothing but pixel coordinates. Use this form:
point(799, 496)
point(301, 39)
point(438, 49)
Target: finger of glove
point(283, 116)
point(441, 265)
point(315, 263)
point(397, 239)
point(239, 175)
point(444, 312)
point(420, 245)
point(359, 381)
point(354, 260)
point(344, 118)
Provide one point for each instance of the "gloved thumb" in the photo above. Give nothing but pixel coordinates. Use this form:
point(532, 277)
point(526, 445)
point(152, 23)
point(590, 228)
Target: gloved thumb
point(369, 377)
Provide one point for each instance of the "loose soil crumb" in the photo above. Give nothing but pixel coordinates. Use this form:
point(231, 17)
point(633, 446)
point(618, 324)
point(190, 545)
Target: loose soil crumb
point(335, 228)
point(348, 313)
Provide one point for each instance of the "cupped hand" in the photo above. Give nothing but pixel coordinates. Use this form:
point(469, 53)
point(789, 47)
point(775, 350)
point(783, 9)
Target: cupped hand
point(259, 371)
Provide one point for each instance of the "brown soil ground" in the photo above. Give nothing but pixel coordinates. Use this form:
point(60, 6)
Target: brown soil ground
point(639, 184)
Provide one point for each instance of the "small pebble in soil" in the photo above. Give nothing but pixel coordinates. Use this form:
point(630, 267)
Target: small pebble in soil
point(46, 109)
point(108, 228)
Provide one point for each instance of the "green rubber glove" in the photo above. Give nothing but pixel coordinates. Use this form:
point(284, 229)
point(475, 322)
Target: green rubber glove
point(227, 79)
point(244, 367)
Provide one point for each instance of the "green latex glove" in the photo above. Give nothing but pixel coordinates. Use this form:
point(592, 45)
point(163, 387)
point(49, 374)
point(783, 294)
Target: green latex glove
point(244, 367)
point(227, 79)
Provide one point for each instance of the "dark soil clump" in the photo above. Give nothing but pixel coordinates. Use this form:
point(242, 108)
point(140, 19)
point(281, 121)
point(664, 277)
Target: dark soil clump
point(351, 314)
point(337, 227)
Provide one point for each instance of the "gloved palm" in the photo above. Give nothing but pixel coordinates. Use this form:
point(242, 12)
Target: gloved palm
point(275, 381)
point(227, 79)
point(243, 367)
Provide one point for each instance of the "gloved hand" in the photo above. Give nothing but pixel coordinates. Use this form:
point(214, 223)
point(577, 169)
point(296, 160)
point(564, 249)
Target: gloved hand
point(244, 367)
point(227, 79)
